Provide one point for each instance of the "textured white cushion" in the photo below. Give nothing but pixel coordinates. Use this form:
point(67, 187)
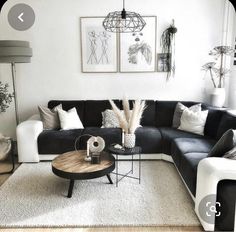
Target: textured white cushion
point(193, 121)
point(109, 119)
point(69, 120)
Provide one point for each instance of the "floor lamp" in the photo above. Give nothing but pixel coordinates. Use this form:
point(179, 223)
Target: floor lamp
point(15, 51)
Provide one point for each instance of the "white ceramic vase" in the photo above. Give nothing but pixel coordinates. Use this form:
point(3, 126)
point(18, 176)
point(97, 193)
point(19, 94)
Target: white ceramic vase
point(218, 97)
point(129, 140)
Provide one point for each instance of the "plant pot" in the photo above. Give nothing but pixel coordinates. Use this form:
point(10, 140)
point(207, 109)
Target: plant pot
point(5, 147)
point(218, 97)
point(129, 140)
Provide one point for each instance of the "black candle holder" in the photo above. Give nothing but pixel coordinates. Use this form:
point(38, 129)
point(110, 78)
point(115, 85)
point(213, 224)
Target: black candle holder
point(96, 158)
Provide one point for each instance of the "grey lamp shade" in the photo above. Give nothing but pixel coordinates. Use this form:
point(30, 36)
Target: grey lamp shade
point(15, 51)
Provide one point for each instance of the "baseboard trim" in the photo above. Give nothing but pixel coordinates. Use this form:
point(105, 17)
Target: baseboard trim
point(144, 157)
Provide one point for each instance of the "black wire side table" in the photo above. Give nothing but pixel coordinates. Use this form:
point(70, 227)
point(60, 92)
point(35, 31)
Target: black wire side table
point(126, 152)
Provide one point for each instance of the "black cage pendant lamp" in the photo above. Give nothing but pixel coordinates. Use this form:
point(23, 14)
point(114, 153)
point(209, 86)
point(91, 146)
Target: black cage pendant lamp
point(123, 21)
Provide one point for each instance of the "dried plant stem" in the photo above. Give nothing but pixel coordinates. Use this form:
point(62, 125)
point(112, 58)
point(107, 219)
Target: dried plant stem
point(141, 110)
point(220, 53)
point(221, 70)
point(129, 122)
point(212, 79)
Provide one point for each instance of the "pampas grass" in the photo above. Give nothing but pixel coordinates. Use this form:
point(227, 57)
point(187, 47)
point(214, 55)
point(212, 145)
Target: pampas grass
point(121, 117)
point(134, 117)
point(126, 108)
point(138, 109)
point(129, 120)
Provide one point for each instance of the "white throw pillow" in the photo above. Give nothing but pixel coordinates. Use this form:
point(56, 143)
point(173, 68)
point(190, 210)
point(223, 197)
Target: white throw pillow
point(109, 119)
point(193, 121)
point(69, 120)
point(179, 109)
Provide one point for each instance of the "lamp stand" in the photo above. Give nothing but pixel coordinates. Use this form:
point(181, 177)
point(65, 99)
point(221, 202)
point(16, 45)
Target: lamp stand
point(13, 71)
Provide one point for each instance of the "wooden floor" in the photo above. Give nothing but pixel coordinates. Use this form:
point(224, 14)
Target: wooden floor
point(4, 166)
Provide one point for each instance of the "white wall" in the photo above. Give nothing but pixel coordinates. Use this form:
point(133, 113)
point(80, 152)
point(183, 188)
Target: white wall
point(55, 69)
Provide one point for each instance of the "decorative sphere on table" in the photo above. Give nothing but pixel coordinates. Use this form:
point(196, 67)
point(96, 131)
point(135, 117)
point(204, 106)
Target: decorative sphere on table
point(96, 144)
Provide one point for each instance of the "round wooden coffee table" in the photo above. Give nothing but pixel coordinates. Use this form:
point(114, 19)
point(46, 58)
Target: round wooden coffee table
point(72, 166)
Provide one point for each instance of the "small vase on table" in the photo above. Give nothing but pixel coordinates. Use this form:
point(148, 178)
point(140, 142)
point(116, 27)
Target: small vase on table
point(129, 140)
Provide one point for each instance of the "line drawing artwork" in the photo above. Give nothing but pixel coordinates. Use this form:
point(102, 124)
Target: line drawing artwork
point(93, 48)
point(98, 47)
point(104, 38)
point(139, 51)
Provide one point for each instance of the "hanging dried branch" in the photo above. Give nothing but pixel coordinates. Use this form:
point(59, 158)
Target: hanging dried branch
point(168, 47)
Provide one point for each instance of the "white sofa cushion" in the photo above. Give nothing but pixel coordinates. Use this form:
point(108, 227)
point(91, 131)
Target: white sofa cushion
point(69, 119)
point(179, 109)
point(193, 121)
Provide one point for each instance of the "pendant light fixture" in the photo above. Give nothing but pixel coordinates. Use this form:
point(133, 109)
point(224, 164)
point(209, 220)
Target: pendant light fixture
point(123, 21)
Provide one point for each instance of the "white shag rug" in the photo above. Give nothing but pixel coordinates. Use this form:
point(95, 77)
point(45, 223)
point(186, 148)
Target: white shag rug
point(34, 197)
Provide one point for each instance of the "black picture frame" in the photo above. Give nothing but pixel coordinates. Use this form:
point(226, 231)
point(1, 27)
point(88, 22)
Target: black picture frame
point(163, 62)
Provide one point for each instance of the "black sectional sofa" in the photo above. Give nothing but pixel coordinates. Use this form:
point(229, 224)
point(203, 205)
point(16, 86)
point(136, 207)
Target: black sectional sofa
point(155, 136)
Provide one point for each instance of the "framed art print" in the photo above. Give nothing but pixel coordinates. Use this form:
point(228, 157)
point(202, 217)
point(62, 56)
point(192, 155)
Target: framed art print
point(138, 49)
point(98, 47)
point(163, 62)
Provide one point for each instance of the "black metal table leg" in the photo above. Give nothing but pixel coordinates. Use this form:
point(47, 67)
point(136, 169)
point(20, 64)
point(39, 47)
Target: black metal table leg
point(109, 178)
point(132, 164)
point(139, 168)
point(71, 188)
point(116, 171)
point(126, 152)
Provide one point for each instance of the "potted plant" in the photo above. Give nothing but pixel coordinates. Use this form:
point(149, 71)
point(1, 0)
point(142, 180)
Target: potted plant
point(129, 120)
point(5, 97)
point(5, 101)
point(218, 73)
